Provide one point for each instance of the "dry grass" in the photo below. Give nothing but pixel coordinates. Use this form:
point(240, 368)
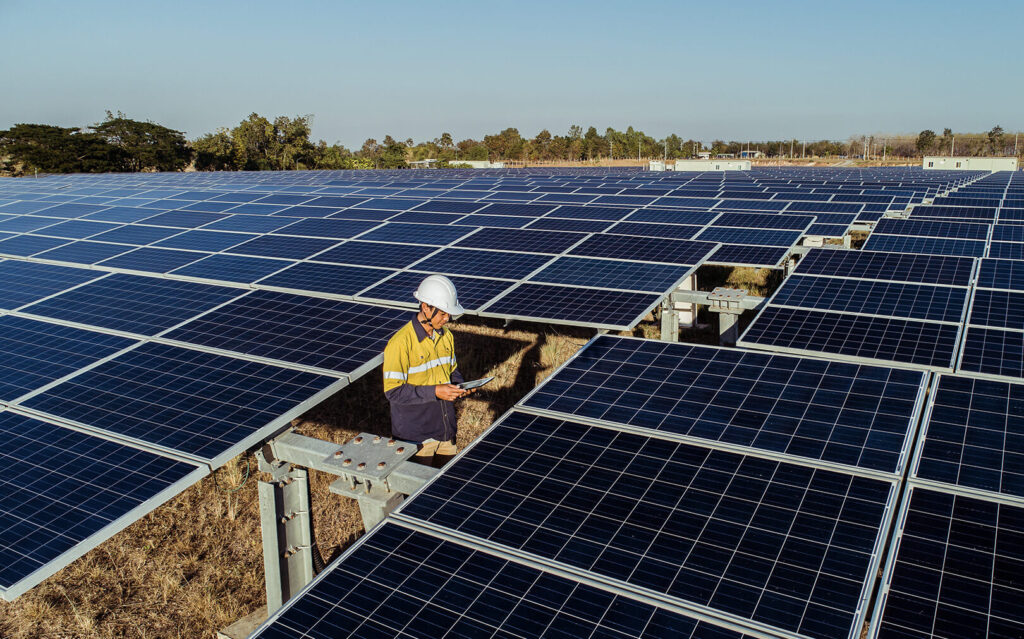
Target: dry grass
point(195, 565)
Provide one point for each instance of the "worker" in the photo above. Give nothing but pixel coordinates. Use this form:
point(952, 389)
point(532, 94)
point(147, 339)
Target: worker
point(421, 373)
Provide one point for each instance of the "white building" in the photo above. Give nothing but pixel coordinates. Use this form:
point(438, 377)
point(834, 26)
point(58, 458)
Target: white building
point(479, 164)
point(712, 165)
point(946, 163)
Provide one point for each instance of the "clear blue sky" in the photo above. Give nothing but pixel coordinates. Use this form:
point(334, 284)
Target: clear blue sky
point(732, 70)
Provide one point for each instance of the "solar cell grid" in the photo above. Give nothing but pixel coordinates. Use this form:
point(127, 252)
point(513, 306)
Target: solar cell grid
point(914, 301)
point(183, 219)
point(330, 228)
point(482, 263)
point(448, 206)
point(25, 282)
point(527, 210)
point(552, 242)
point(895, 267)
point(1001, 274)
point(335, 279)
point(153, 260)
point(37, 353)
point(233, 268)
point(474, 292)
point(926, 245)
point(742, 254)
point(376, 254)
point(752, 237)
point(631, 276)
point(83, 252)
point(648, 249)
point(189, 401)
point(283, 246)
point(135, 234)
point(777, 543)
point(844, 335)
point(591, 212)
point(26, 245)
point(468, 593)
point(1006, 250)
point(210, 241)
point(329, 334)
point(249, 224)
point(993, 351)
point(566, 224)
point(838, 413)
point(671, 231)
point(80, 487)
point(957, 570)
point(585, 306)
point(764, 221)
point(434, 234)
point(924, 228)
point(664, 216)
point(76, 229)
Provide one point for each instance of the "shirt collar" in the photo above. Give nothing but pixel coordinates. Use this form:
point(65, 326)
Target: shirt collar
point(421, 333)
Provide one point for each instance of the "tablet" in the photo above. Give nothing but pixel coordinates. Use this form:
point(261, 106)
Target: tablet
point(474, 384)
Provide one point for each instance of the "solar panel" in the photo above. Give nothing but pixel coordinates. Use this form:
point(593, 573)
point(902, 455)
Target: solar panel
point(776, 543)
point(649, 229)
point(695, 218)
point(892, 299)
point(184, 219)
point(78, 490)
point(26, 245)
point(76, 229)
point(136, 235)
point(833, 412)
point(153, 260)
point(133, 303)
point(436, 234)
point(72, 210)
point(745, 255)
point(956, 572)
point(553, 242)
point(126, 214)
point(330, 228)
point(1006, 250)
point(1001, 309)
point(880, 339)
point(927, 245)
point(473, 292)
point(283, 246)
point(326, 278)
point(428, 217)
point(376, 254)
point(25, 282)
point(528, 210)
point(483, 263)
point(764, 221)
point(752, 237)
point(1001, 274)
point(27, 223)
point(250, 224)
point(993, 351)
point(590, 212)
point(925, 228)
point(209, 406)
point(634, 276)
point(83, 252)
point(646, 249)
point(37, 353)
point(233, 268)
point(954, 212)
point(567, 304)
point(893, 267)
point(388, 586)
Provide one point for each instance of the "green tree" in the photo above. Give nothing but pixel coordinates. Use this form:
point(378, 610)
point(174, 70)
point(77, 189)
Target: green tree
point(996, 140)
point(145, 145)
point(594, 144)
point(254, 139)
point(215, 151)
point(26, 148)
point(393, 154)
point(925, 141)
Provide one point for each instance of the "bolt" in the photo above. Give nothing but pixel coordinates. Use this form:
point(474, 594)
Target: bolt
point(391, 442)
point(400, 450)
point(358, 440)
point(376, 440)
point(361, 466)
point(347, 462)
point(284, 520)
point(337, 454)
point(381, 466)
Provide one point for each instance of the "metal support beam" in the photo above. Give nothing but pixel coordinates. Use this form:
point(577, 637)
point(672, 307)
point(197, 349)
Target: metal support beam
point(728, 329)
point(669, 321)
point(703, 298)
point(287, 536)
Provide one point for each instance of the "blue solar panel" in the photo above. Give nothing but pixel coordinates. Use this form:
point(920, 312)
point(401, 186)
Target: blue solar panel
point(303, 211)
point(927, 228)
point(1006, 250)
point(76, 229)
point(284, 246)
point(777, 543)
point(122, 214)
point(250, 224)
point(25, 282)
point(25, 207)
point(915, 301)
point(25, 245)
point(840, 334)
point(233, 268)
point(326, 278)
point(840, 413)
point(973, 436)
point(648, 229)
point(331, 228)
point(203, 208)
point(80, 488)
point(743, 254)
point(1003, 274)
point(527, 210)
point(390, 204)
point(473, 292)
point(469, 594)
point(955, 212)
point(828, 230)
point(72, 210)
point(587, 306)
point(926, 245)
point(192, 402)
point(336, 201)
point(751, 237)
point(135, 304)
point(153, 260)
point(894, 267)
point(136, 235)
point(376, 254)
point(647, 249)
point(83, 252)
point(993, 351)
point(591, 212)
point(1008, 233)
point(330, 334)
point(204, 240)
point(635, 276)
point(957, 571)
point(183, 219)
point(27, 223)
point(37, 353)
point(436, 234)
point(481, 263)
point(764, 221)
point(449, 206)
point(566, 224)
point(1001, 309)
point(553, 242)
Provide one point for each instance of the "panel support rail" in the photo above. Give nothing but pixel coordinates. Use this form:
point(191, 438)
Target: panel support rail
point(727, 303)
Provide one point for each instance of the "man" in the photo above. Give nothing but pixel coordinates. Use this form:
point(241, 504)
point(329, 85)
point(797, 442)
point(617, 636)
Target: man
point(420, 373)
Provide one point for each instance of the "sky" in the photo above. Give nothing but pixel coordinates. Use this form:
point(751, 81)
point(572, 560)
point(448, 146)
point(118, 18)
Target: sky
point(732, 70)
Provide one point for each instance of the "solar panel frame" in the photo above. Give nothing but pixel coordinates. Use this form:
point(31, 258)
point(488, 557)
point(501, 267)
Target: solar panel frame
point(533, 301)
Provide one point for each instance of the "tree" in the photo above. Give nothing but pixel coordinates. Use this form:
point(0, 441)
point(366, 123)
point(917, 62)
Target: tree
point(996, 140)
point(26, 148)
point(146, 145)
point(393, 155)
point(253, 139)
point(593, 143)
point(215, 151)
point(446, 141)
point(925, 141)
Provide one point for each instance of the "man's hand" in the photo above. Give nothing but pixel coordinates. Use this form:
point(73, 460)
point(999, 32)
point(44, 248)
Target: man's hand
point(449, 392)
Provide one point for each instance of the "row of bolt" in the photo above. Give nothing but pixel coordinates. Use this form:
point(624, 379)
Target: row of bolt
point(362, 465)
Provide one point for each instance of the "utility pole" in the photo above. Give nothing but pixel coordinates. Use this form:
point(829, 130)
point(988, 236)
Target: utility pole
point(638, 150)
point(803, 149)
point(666, 149)
point(952, 145)
point(1015, 135)
point(883, 148)
point(791, 148)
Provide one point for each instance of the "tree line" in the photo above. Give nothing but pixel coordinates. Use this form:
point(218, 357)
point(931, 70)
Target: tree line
point(121, 144)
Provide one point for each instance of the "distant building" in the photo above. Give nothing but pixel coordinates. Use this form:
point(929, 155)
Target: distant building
point(751, 153)
point(704, 155)
point(423, 164)
point(712, 165)
point(656, 165)
point(725, 156)
point(478, 164)
point(946, 163)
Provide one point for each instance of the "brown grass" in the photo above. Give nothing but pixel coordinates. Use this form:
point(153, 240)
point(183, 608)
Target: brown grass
point(195, 565)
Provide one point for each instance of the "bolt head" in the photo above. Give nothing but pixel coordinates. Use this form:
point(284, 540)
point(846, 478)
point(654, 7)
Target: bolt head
point(337, 454)
point(400, 450)
point(376, 440)
point(381, 465)
point(347, 462)
point(391, 442)
point(358, 440)
point(361, 466)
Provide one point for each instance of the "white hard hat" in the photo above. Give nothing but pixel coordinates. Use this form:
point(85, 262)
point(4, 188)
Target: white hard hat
point(439, 292)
